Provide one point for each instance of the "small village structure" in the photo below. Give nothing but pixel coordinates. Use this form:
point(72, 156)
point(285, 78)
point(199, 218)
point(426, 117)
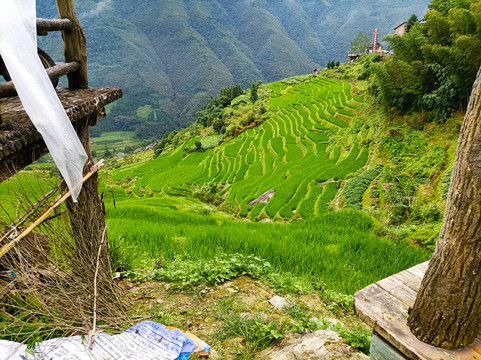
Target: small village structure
point(400, 29)
point(374, 47)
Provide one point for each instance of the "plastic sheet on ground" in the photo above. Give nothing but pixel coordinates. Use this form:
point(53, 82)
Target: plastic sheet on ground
point(18, 48)
point(145, 341)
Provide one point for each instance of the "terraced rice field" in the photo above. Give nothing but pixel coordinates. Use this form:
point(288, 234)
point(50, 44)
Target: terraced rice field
point(287, 154)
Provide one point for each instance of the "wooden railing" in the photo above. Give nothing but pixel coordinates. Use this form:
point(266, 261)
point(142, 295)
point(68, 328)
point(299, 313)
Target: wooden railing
point(75, 65)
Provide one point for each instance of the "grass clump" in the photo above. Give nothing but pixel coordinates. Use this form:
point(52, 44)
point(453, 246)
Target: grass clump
point(256, 333)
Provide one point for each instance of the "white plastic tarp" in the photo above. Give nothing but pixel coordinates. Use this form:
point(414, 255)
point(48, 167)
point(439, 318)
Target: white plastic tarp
point(18, 48)
point(145, 341)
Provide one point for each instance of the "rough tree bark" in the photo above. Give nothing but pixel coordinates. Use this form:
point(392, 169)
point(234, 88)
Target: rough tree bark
point(447, 311)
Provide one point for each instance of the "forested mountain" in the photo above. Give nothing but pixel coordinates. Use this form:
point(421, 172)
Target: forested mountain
point(171, 55)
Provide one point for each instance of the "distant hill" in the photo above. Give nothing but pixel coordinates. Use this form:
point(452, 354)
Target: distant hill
point(169, 56)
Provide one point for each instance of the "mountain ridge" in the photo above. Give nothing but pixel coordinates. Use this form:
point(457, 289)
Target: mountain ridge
point(174, 55)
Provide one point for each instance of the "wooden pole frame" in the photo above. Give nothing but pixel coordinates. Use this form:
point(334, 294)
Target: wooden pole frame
point(75, 45)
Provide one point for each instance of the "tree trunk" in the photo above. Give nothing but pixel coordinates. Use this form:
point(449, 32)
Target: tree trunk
point(447, 311)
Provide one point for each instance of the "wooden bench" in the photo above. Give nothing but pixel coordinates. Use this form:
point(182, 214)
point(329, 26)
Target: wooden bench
point(385, 305)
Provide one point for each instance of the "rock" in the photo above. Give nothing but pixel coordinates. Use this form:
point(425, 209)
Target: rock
point(264, 198)
point(253, 316)
point(278, 302)
point(119, 154)
point(137, 150)
point(318, 345)
point(150, 146)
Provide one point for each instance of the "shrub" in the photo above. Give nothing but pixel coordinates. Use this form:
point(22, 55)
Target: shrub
point(356, 187)
point(218, 124)
point(212, 272)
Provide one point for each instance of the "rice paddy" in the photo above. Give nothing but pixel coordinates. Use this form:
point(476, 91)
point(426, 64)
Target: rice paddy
point(293, 153)
point(337, 249)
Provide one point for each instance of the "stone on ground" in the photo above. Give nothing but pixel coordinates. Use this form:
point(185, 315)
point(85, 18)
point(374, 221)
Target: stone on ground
point(318, 345)
point(278, 302)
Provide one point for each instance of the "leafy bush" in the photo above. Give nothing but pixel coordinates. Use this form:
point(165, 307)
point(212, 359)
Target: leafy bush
point(198, 145)
point(207, 192)
point(426, 235)
point(428, 164)
point(446, 182)
point(357, 186)
point(212, 272)
point(359, 338)
point(400, 195)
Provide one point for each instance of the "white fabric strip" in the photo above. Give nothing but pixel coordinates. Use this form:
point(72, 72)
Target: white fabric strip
point(19, 52)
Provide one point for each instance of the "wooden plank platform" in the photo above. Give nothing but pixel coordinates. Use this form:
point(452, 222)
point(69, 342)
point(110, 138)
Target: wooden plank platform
point(21, 144)
point(384, 306)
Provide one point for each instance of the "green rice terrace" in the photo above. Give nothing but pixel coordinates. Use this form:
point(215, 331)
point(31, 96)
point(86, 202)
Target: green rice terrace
point(290, 153)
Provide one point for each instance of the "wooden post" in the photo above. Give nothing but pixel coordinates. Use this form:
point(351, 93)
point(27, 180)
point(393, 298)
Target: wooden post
point(88, 221)
point(75, 45)
point(447, 311)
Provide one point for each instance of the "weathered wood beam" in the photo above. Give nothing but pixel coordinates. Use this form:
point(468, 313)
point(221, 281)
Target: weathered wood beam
point(75, 45)
point(61, 69)
point(46, 25)
point(7, 89)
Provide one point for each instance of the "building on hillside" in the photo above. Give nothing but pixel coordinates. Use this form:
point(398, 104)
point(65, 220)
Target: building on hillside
point(400, 29)
point(316, 72)
point(354, 56)
point(373, 47)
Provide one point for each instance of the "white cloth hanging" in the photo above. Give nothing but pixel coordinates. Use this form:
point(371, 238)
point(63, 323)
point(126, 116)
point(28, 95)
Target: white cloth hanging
point(18, 48)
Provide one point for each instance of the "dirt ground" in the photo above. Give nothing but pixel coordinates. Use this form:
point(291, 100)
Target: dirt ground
point(214, 313)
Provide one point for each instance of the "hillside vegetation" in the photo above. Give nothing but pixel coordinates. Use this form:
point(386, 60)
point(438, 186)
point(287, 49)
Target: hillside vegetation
point(179, 215)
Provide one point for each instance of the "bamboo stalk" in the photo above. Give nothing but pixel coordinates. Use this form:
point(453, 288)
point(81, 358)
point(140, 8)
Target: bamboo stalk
point(59, 200)
point(94, 321)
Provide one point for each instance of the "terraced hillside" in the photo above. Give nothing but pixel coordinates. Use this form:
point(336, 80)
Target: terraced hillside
point(293, 152)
